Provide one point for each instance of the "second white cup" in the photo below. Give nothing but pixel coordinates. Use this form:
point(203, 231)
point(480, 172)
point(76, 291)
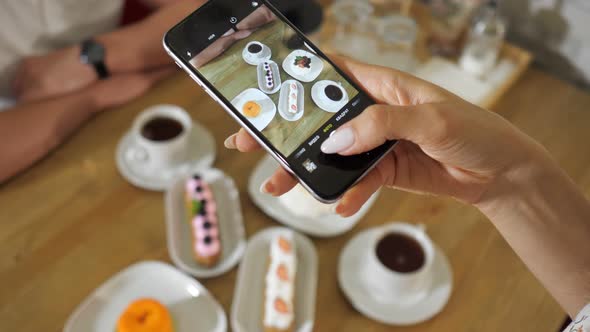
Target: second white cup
point(385, 283)
point(161, 137)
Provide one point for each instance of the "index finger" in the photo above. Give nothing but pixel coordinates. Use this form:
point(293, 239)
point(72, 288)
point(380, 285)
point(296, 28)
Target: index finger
point(244, 142)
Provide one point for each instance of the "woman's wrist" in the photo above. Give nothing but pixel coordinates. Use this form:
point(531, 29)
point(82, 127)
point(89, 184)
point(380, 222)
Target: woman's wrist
point(544, 217)
point(519, 183)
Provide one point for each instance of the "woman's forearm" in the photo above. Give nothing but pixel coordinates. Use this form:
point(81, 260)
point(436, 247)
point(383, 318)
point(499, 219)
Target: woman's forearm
point(29, 131)
point(546, 220)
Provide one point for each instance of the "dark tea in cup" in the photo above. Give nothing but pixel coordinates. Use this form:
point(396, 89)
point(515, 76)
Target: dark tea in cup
point(400, 253)
point(161, 129)
point(255, 48)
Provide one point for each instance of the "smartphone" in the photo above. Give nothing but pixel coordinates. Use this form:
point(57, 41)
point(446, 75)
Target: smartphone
point(278, 85)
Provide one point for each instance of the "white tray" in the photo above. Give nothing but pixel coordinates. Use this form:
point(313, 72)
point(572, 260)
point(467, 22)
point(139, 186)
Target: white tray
point(231, 226)
point(246, 312)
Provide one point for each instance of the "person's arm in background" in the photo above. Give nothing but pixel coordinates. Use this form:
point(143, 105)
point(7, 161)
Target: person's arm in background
point(245, 28)
point(31, 130)
point(218, 47)
point(132, 48)
point(450, 147)
point(139, 46)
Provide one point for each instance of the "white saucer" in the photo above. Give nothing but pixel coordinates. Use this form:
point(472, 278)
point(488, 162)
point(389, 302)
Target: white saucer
point(324, 226)
point(319, 97)
point(317, 65)
point(231, 225)
point(251, 59)
point(395, 313)
point(190, 304)
point(202, 155)
point(246, 311)
point(267, 113)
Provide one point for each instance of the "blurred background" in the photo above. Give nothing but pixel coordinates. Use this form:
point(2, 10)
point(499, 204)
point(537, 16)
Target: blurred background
point(556, 32)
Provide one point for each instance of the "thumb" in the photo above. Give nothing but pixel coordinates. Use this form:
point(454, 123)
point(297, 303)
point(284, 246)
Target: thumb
point(378, 124)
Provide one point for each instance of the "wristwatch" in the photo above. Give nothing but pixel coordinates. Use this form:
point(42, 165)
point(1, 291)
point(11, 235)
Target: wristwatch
point(93, 53)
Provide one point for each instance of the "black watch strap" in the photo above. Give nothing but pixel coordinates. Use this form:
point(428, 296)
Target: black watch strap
point(93, 53)
point(101, 70)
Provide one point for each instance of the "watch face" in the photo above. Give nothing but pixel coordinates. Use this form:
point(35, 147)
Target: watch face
point(92, 52)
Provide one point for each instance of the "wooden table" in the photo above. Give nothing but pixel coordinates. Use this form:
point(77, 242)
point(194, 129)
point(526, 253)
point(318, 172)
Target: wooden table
point(71, 222)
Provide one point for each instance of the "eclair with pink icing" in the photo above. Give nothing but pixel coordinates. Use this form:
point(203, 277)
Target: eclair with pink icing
point(202, 214)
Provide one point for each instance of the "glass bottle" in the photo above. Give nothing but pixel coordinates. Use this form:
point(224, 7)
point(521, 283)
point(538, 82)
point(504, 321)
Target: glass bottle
point(484, 42)
point(449, 21)
point(397, 40)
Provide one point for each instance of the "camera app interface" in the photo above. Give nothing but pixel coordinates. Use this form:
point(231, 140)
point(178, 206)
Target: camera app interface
point(284, 89)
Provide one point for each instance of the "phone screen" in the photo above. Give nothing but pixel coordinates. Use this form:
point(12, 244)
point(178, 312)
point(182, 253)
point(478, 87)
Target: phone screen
point(278, 83)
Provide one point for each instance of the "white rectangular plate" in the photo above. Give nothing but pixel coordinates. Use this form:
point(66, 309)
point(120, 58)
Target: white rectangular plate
point(246, 313)
point(276, 74)
point(284, 101)
point(231, 225)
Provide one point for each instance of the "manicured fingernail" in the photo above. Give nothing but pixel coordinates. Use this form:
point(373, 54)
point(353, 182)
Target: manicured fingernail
point(341, 140)
point(267, 187)
point(230, 142)
point(338, 208)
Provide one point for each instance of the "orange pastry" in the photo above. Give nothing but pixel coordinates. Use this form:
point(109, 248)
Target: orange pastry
point(251, 109)
point(145, 315)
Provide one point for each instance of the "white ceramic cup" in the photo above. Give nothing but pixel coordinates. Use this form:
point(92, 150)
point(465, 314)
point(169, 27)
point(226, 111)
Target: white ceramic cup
point(259, 54)
point(159, 155)
point(388, 286)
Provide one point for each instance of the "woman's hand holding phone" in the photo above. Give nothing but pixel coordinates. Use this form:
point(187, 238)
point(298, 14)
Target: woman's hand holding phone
point(447, 146)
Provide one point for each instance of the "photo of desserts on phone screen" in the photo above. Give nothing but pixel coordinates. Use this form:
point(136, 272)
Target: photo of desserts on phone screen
point(276, 82)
